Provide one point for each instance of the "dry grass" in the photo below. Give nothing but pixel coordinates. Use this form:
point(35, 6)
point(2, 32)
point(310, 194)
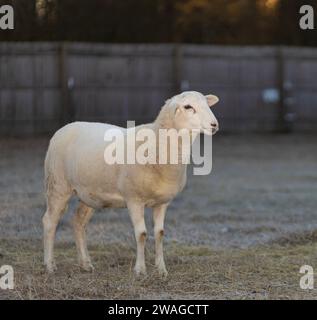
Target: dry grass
point(240, 233)
point(261, 272)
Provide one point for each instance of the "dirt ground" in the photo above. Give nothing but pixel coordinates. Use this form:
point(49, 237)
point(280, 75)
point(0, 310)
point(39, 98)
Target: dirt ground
point(242, 232)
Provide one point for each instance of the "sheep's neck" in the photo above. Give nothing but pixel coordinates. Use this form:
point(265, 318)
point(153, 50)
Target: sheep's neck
point(172, 171)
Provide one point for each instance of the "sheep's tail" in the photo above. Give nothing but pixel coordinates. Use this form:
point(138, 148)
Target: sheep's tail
point(47, 175)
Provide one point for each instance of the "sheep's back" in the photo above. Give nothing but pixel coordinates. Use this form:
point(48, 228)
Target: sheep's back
point(76, 155)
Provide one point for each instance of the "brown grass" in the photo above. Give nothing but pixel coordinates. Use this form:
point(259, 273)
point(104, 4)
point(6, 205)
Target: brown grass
point(194, 272)
point(260, 199)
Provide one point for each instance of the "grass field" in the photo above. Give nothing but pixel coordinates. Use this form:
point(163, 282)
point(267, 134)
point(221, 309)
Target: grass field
point(195, 272)
point(241, 233)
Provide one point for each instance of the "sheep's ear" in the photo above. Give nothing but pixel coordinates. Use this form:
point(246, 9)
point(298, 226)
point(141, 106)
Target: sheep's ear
point(211, 100)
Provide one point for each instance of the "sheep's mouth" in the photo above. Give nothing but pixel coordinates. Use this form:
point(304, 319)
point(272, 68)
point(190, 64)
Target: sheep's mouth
point(210, 132)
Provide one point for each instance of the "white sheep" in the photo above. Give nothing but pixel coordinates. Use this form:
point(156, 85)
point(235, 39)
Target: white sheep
point(75, 164)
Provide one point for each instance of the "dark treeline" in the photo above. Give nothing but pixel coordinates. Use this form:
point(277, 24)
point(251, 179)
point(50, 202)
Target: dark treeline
point(242, 22)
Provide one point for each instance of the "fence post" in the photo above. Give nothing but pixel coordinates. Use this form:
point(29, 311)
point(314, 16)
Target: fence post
point(177, 72)
point(282, 125)
point(67, 112)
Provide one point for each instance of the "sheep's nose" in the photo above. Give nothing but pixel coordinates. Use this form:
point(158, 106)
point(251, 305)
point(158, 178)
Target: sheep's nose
point(214, 126)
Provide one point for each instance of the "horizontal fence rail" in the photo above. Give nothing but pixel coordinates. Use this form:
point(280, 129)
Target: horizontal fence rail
point(45, 85)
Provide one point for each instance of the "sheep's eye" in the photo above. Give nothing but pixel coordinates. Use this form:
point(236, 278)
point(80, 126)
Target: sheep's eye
point(189, 107)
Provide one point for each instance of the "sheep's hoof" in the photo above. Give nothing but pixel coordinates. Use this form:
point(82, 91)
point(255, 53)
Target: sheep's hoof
point(162, 271)
point(51, 267)
point(87, 266)
point(140, 271)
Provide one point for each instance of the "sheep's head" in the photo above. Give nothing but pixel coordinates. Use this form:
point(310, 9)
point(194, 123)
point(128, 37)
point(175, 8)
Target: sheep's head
point(192, 111)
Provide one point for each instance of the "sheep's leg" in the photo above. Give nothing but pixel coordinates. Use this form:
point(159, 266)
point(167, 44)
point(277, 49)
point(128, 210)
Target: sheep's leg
point(137, 216)
point(55, 208)
point(80, 220)
point(158, 217)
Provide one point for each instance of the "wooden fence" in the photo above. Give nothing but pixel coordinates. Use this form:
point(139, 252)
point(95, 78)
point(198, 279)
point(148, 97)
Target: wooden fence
point(44, 85)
